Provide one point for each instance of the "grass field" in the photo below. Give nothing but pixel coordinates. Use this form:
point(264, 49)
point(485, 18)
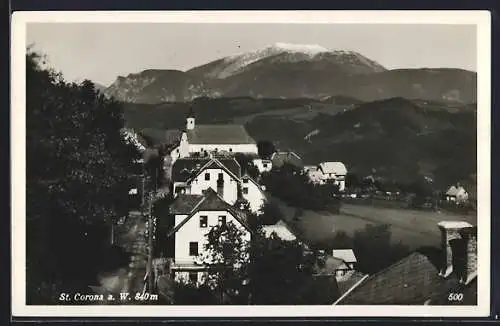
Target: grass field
point(413, 228)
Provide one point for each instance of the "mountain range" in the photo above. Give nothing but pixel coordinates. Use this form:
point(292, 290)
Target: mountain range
point(295, 71)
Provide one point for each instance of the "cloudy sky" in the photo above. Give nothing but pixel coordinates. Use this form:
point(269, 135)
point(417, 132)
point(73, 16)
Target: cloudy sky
point(103, 51)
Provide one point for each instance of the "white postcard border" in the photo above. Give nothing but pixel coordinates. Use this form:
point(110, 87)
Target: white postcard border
point(481, 19)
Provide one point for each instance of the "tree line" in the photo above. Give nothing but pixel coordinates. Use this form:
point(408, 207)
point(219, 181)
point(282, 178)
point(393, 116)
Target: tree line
point(77, 170)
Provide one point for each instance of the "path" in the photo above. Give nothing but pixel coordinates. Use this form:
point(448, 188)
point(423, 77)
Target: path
point(131, 237)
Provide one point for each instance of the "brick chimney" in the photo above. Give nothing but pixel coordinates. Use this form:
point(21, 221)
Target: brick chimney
point(450, 232)
point(469, 236)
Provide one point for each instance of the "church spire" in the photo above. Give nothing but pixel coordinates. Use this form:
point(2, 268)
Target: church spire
point(190, 120)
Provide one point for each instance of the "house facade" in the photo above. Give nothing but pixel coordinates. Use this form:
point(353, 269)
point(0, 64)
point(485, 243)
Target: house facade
point(194, 216)
point(332, 172)
point(195, 175)
point(253, 193)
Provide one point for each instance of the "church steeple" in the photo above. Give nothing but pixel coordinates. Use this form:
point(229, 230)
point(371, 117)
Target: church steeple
point(190, 120)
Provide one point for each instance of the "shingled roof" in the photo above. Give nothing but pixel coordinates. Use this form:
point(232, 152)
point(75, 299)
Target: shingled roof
point(219, 134)
point(209, 201)
point(413, 280)
point(184, 168)
point(185, 204)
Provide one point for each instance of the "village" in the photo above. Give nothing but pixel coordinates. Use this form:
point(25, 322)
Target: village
point(207, 177)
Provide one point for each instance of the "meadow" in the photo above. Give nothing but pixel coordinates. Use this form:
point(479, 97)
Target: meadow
point(410, 227)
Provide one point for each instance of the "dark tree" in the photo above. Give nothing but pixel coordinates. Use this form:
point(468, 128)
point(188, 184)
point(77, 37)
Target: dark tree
point(76, 180)
point(247, 166)
point(266, 149)
point(280, 272)
point(374, 248)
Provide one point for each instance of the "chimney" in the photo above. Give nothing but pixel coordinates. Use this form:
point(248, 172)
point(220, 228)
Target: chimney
point(469, 236)
point(450, 233)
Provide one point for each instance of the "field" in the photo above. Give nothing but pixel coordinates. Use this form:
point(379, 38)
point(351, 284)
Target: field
point(413, 228)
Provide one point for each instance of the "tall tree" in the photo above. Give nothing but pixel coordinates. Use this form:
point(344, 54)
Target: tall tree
point(76, 179)
point(226, 253)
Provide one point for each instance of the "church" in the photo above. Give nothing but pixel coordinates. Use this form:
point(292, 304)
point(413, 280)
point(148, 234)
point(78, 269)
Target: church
point(204, 139)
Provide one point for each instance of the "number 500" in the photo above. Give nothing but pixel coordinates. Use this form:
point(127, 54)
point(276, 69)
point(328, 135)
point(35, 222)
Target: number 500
point(455, 297)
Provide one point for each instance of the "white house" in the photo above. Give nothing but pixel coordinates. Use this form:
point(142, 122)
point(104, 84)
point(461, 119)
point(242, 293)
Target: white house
point(231, 138)
point(194, 216)
point(333, 171)
point(457, 194)
point(253, 193)
point(262, 165)
point(194, 175)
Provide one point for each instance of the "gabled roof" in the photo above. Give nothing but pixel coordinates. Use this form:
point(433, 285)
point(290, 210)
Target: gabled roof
point(410, 281)
point(219, 134)
point(209, 201)
point(185, 204)
point(346, 255)
point(337, 168)
point(230, 165)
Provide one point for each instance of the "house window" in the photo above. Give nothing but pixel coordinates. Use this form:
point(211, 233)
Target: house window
point(193, 249)
point(220, 176)
point(264, 165)
point(203, 221)
point(207, 176)
point(245, 180)
point(245, 190)
point(193, 277)
point(177, 150)
point(222, 220)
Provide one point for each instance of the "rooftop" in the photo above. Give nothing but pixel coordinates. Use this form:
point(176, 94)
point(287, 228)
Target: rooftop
point(185, 204)
point(219, 134)
point(333, 167)
point(186, 168)
point(346, 255)
point(413, 280)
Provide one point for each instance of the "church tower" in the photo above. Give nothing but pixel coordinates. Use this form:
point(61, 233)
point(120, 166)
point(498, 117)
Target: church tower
point(190, 121)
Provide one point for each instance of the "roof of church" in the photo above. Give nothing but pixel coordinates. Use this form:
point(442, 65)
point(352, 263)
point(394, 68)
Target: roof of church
point(219, 134)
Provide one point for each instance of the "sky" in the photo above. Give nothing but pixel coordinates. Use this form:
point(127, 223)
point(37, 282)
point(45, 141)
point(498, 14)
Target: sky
point(103, 51)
